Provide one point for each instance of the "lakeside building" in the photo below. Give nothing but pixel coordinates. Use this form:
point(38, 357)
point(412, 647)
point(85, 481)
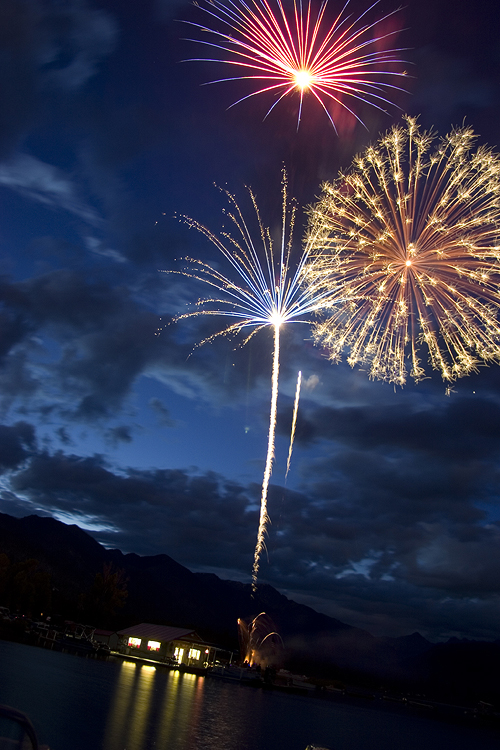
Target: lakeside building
point(107, 637)
point(168, 644)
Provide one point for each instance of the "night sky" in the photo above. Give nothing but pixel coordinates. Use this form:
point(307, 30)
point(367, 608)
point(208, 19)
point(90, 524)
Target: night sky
point(390, 518)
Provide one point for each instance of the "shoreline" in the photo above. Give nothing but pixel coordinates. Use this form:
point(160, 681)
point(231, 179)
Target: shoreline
point(464, 714)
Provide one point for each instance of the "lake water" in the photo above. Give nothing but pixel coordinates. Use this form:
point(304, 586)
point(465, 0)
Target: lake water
point(79, 703)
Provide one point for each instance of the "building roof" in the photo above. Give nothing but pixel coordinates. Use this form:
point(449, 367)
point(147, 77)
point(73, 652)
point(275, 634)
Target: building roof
point(162, 633)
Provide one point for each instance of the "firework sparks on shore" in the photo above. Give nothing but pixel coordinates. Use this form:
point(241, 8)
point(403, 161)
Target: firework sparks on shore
point(260, 642)
point(300, 51)
point(413, 231)
point(270, 290)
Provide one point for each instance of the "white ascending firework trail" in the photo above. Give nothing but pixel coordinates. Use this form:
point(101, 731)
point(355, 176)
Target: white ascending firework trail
point(269, 290)
point(294, 422)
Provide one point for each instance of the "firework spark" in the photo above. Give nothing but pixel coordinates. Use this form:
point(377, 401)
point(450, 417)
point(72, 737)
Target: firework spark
point(294, 421)
point(413, 231)
point(270, 291)
point(301, 51)
point(260, 643)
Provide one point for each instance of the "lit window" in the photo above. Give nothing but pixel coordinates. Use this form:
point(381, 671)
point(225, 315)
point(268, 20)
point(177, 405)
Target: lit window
point(154, 645)
point(178, 653)
point(134, 642)
point(194, 653)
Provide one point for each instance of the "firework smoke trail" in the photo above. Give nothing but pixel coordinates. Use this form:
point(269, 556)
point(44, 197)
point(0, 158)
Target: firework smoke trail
point(294, 422)
point(274, 291)
point(412, 230)
point(297, 52)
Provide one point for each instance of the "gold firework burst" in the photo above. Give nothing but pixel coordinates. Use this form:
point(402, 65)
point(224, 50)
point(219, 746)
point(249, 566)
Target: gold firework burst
point(413, 232)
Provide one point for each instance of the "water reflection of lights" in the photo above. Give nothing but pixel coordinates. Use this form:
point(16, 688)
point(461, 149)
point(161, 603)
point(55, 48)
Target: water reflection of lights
point(141, 707)
point(131, 705)
point(119, 707)
point(153, 708)
point(169, 710)
point(180, 710)
point(195, 719)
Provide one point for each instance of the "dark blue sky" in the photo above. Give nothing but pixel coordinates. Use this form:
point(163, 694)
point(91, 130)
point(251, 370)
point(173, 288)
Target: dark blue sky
point(390, 517)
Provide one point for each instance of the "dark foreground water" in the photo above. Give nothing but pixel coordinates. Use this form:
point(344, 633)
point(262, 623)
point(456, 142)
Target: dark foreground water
point(79, 703)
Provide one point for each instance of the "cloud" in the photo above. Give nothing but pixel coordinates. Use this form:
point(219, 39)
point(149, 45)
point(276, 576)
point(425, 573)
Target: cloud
point(391, 525)
point(154, 511)
point(311, 382)
point(162, 412)
point(76, 347)
point(63, 436)
point(95, 245)
point(45, 184)
point(46, 47)
point(372, 552)
point(116, 435)
point(74, 38)
point(104, 341)
point(16, 444)
point(435, 429)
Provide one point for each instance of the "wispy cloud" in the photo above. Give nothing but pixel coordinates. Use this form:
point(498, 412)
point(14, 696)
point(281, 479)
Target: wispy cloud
point(95, 245)
point(70, 57)
point(46, 184)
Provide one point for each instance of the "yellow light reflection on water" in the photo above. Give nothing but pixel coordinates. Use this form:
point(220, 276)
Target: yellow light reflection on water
point(141, 707)
point(195, 711)
point(119, 706)
point(180, 710)
point(169, 710)
point(130, 708)
point(153, 707)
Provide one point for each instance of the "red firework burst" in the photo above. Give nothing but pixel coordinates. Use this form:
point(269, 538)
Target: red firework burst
point(299, 51)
